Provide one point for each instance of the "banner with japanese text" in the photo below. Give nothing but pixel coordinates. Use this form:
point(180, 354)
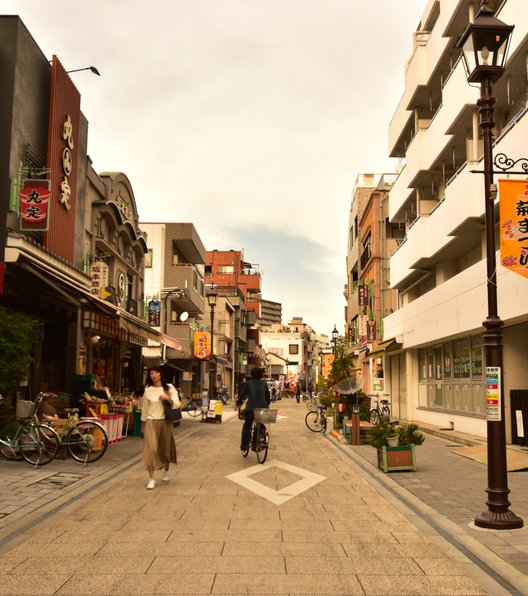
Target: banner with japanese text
point(514, 225)
point(202, 344)
point(34, 205)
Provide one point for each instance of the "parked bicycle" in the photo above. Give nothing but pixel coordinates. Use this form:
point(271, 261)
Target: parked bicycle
point(85, 439)
point(312, 402)
point(316, 419)
point(26, 438)
point(193, 406)
point(382, 409)
point(259, 433)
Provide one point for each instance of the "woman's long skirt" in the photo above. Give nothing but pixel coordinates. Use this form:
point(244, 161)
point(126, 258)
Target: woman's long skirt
point(159, 449)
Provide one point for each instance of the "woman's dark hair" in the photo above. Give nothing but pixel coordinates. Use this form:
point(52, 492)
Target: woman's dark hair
point(256, 372)
point(148, 380)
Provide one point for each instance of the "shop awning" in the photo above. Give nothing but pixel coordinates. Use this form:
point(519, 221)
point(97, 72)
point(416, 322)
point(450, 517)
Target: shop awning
point(170, 342)
point(391, 345)
point(221, 360)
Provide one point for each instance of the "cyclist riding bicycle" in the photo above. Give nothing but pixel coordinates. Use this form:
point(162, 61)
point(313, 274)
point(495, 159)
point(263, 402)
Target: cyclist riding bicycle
point(257, 394)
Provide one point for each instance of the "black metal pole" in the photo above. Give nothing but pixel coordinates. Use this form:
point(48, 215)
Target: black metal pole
point(497, 516)
point(212, 363)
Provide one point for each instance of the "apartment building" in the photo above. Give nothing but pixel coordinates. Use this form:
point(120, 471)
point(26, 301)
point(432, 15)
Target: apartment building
point(371, 240)
point(439, 269)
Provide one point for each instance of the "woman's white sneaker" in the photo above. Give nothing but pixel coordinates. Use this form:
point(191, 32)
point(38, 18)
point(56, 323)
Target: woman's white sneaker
point(166, 476)
point(151, 484)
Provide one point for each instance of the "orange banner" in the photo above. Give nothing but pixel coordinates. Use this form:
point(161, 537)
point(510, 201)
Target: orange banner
point(202, 344)
point(514, 225)
point(328, 360)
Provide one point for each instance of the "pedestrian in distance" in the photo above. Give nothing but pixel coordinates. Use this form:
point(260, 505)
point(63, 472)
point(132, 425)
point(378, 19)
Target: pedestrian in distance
point(274, 394)
point(257, 394)
point(298, 392)
point(159, 448)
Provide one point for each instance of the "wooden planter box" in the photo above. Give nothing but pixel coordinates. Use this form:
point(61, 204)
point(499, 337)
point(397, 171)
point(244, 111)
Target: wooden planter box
point(397, 459)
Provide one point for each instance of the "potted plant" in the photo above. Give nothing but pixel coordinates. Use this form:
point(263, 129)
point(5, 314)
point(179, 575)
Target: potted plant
point(382, 433)
point(400, 457)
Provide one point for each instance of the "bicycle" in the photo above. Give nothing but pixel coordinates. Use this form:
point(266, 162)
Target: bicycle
point(312, 403)
point(316, 419)
point(193, 407)
point(380, 412)
point(85, 439)
point(27, 438)
point(259, 433)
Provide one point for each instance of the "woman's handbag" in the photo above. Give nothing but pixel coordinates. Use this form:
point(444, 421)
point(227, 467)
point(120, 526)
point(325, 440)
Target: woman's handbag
point(172, 414)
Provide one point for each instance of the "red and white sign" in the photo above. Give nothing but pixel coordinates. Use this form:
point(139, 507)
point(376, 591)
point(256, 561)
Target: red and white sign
point(34, 205)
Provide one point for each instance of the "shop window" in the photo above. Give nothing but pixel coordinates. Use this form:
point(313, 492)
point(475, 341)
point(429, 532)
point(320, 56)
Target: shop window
point(461, 359)
point(448, 361)
point(476, 357)
point(422, 357)
point(430, 363)
point(438, 363)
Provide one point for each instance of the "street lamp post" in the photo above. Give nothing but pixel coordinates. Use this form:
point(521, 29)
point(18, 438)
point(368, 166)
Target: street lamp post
point(211, 299)
point(484, 46)
point(335, 335)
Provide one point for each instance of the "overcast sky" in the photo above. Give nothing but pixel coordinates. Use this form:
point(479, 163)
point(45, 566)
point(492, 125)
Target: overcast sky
point(250, 119)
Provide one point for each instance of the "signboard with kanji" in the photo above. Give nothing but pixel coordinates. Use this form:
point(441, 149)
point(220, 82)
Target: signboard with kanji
point(34, 205)
point(154, 313)
point(202, 344)
point(99, 276)
point(514, 225)
point(363, 295)
point(493, 393)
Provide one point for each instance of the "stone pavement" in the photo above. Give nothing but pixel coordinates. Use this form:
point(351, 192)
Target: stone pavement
point(317, 518)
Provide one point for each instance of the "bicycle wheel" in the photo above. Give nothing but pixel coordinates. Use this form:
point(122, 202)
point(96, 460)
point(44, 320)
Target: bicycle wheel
point(87, 441)
point(385, 412)
point(262, 443)
point(8, 434)
point(39, 444)
point(194, 408)
point(374, 417)
point(313, 421)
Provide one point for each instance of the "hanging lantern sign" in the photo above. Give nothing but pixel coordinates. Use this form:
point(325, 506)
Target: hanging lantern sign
point(202, 344)
point(34, 205)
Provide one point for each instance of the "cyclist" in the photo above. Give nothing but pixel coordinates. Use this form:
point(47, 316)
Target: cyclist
point(257, 394)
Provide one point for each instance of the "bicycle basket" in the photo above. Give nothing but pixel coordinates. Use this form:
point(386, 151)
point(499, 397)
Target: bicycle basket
point(265, 416)
point(24, 409)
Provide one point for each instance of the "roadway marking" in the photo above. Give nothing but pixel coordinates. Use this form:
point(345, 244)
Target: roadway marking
point(308, 480)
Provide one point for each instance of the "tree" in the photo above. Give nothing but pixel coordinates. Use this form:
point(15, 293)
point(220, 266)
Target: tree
point(18, 335)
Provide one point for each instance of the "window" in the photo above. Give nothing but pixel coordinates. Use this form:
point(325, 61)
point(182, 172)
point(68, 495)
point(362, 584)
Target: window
point(476, 357)
point(422, 356)
point(293, 349)
point(461, 364)
point(448, 371)
point(148, 259)
point(226, 269)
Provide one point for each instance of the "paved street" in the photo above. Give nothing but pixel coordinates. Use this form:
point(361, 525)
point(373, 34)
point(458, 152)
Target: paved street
point(317, 518)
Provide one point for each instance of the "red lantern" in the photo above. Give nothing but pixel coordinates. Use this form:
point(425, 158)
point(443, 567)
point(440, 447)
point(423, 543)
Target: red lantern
point(341, 408)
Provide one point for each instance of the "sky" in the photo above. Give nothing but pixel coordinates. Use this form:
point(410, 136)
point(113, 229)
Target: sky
point(250, 119)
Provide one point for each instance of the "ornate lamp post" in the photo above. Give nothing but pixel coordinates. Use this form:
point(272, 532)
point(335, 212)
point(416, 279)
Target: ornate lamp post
point(335, 335)
point(212, 295)
point(484, 46)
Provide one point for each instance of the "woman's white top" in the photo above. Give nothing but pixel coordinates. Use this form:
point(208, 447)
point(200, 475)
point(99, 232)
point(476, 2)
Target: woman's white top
point(152, 405)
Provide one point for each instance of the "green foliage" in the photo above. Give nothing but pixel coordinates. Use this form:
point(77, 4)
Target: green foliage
point(18, 335)
point(343, 361)
point(408, 434)
point(379, 433)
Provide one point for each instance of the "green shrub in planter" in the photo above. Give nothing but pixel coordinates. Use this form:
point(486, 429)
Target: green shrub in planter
point(408, 434)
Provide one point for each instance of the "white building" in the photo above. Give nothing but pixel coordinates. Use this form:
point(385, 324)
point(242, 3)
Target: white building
point(440, 268)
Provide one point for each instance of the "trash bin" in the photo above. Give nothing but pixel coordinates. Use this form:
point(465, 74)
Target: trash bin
point(137, 423)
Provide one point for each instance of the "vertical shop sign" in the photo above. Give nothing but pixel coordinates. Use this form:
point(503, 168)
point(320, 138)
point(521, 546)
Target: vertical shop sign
point(154, 313)
point(202, 344)
point(514, 225)
point(363, 295)
point(362, 329)
point(493, 393)
point(34, 205)
point(99, 276)
point(371, 331)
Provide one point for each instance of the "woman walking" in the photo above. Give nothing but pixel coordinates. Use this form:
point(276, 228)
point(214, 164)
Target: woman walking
point(159, 448)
